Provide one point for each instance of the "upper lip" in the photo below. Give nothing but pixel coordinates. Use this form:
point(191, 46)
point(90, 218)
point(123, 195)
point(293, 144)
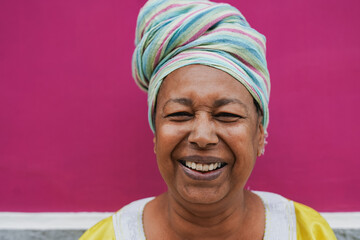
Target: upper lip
point(202, 159)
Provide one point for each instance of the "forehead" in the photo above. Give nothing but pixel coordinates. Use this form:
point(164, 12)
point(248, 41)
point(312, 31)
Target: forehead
point(200, 82)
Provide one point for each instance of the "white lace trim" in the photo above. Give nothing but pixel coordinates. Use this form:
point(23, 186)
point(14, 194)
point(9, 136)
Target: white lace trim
point(128, 224)
point(280, 218)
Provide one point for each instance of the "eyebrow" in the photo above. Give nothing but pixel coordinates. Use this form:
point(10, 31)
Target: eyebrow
point(182, 101)
point(225, 101)
point(217, 103)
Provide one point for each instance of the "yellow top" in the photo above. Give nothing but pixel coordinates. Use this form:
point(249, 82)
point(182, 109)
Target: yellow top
point(310, 225)
point(102, 230)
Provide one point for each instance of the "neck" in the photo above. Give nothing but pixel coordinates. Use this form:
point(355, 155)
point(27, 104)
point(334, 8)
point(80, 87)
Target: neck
point(220, 220)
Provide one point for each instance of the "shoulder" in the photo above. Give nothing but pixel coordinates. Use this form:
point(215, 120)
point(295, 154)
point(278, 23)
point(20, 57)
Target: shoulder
point(102, 230)
point(310, 224)
point(128, 219)
point(291, 218)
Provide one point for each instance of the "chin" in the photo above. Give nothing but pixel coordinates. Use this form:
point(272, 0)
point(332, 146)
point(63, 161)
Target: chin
point(203, 195)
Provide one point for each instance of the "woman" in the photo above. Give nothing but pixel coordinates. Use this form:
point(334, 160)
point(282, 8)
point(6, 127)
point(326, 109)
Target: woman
point(208, 89)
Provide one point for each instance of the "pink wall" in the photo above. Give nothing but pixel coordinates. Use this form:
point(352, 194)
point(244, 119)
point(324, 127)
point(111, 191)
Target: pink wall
point(73, 128)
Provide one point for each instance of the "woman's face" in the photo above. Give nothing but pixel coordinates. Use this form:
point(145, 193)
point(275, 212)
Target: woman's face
point(208, 134)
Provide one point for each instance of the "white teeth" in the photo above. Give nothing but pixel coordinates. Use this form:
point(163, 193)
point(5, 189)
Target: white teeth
point(205, 167)
point(202, 167)
point(211, 167)
point(193, 165)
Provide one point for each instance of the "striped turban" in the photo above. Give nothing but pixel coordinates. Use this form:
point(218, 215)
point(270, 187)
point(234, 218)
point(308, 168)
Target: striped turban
point(171, 34)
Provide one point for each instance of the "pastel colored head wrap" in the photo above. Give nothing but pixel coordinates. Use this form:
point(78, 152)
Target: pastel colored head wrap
point(171, 34)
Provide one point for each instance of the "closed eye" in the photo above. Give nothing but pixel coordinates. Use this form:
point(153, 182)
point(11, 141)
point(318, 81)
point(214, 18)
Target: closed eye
point(179, 116)
point(227, 117)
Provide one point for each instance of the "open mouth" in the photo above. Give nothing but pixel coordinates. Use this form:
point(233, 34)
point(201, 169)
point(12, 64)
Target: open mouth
point(203, 167)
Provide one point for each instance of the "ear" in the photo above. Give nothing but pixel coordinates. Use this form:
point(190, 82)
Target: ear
point(154, 141)
point(261, 140)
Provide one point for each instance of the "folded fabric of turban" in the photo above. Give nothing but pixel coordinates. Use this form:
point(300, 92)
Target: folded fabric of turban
point(173, 34)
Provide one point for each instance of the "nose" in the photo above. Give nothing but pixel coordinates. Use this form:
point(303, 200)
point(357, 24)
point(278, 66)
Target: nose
point(203, 133)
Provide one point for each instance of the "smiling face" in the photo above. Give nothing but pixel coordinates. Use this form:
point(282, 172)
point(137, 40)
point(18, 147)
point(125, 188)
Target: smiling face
point(208, 134)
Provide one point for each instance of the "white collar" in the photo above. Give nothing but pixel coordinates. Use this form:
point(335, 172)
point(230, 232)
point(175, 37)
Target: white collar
point(280, 218)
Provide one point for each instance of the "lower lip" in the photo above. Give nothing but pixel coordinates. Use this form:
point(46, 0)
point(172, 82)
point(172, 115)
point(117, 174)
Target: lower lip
point(203, 176)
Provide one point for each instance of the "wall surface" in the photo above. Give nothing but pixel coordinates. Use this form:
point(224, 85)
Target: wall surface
point(73, 127)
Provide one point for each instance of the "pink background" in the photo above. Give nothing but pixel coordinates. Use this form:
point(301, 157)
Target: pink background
point(73, 127)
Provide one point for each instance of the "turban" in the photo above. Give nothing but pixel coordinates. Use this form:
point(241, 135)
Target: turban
point(171, 34)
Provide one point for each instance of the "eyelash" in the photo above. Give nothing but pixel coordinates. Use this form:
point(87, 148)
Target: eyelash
point(226, 114)
point(219, 115)
point(226, 117)
point(179, 114)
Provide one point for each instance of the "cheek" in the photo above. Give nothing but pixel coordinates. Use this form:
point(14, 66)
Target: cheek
point(240, 140)
point(169, 134)
point(166, 135)
point(167, 138)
